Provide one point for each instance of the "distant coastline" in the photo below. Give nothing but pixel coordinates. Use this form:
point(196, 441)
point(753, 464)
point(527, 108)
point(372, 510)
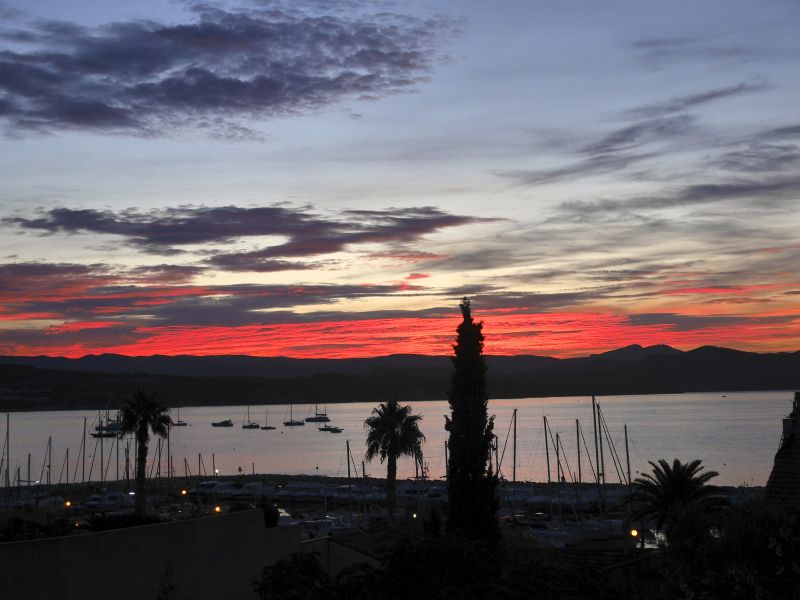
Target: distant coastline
point(94, 382)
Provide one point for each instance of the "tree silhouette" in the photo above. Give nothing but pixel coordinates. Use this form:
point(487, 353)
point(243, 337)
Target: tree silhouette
point(392, 431)
point(471, 485)
point(669, 489)
point(140, 416)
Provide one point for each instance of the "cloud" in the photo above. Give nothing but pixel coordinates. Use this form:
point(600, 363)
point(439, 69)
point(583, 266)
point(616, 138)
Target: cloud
point(765, 192)
point(681, 322)
point(307, 233)
point(159, 295)
point(682, 103)
point(214, 72)
point(658, 52)
point(614, 151)
point(649, 130)
point(759, 157)
point(596, 165)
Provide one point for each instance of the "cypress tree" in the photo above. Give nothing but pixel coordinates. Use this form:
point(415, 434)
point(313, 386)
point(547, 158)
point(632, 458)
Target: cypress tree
point(471, 484)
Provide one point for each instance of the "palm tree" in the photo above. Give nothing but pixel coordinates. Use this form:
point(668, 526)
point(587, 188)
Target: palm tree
point(392, 431)
point(669, 489)
point(140, 416)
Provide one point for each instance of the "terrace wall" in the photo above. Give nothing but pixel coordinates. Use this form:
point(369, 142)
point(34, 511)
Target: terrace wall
point(210, 558)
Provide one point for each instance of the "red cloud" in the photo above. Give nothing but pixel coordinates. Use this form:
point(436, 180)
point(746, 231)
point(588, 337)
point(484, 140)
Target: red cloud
point(557, 334)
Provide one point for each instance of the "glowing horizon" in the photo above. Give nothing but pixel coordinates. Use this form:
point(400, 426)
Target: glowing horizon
point(329, 179)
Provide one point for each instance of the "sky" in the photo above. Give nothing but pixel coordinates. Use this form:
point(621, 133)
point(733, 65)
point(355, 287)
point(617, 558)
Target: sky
point(328, 178)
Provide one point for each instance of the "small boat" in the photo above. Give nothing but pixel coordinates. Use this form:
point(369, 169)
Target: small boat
point(319, 417)
point(291, 422)
point(266, 424)
point(179, 423)
point(248, 424)
point(112, 426)
point(330, 429)
point(225, 423)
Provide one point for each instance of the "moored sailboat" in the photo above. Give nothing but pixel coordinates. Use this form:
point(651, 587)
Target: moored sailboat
point(291, 422)
point(266, 421)
point(248, 424)
point(319, 417)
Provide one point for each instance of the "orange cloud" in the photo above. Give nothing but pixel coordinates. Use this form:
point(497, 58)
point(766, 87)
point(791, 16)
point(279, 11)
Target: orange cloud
point(556, 334)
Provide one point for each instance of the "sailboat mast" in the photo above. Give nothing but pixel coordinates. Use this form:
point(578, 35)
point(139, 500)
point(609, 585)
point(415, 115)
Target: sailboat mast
point(514, 454)
point(596, 452)
point(546, 449)
point(627, 455)
point(102, 431)
point(558, 458)
point(83, 447)
point(8, 450)
point(602, 454)
point(49, 458)
point(578, 446)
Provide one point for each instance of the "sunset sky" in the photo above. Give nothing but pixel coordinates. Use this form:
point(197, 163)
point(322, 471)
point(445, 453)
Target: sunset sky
point(328, 178)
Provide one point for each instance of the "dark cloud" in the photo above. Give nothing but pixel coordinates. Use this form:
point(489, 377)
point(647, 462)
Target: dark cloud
point(150, 78)
point(257, 261)
point(158, 295)
point(309, 234)
point(764, 192)
point(596, 165)
point(679, 322)
point(759, 158)
point(780, 132)
point(164, 274)
point(682, 103)
point(615, 151)
point(646, 131)
point(658, 52)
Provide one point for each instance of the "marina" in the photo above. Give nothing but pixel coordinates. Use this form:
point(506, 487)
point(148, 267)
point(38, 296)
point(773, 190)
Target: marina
point(734, 434)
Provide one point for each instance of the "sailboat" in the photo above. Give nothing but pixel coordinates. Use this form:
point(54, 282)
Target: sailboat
point(248, 424)
point(111, 428)
point(330, 428)
point(291, 422)
point(266, 424)
point(319, 417)
point(179, 423)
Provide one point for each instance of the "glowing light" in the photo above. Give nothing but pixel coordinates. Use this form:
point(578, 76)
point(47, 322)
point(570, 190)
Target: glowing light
point(218, 509)
point(68, 503)
point(634, 533)
point(184, 492)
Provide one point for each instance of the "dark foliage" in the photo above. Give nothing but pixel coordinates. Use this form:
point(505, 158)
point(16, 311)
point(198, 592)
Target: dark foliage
point(141, 415)
point(743, 553)
point(271, 514)
point(101, 522)
point(670, 489)
point(392, 432)
point(17, 529)
point(444, 568)
point(300, 576)
point(470, 481)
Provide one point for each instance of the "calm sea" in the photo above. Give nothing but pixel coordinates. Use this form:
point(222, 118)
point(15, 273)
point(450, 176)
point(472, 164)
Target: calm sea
point(735, 434)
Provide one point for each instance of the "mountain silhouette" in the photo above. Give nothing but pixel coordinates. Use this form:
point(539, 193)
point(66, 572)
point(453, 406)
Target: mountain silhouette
point(95, 381)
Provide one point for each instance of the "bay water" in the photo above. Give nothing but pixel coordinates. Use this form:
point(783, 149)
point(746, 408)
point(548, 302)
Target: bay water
point(735, 434)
